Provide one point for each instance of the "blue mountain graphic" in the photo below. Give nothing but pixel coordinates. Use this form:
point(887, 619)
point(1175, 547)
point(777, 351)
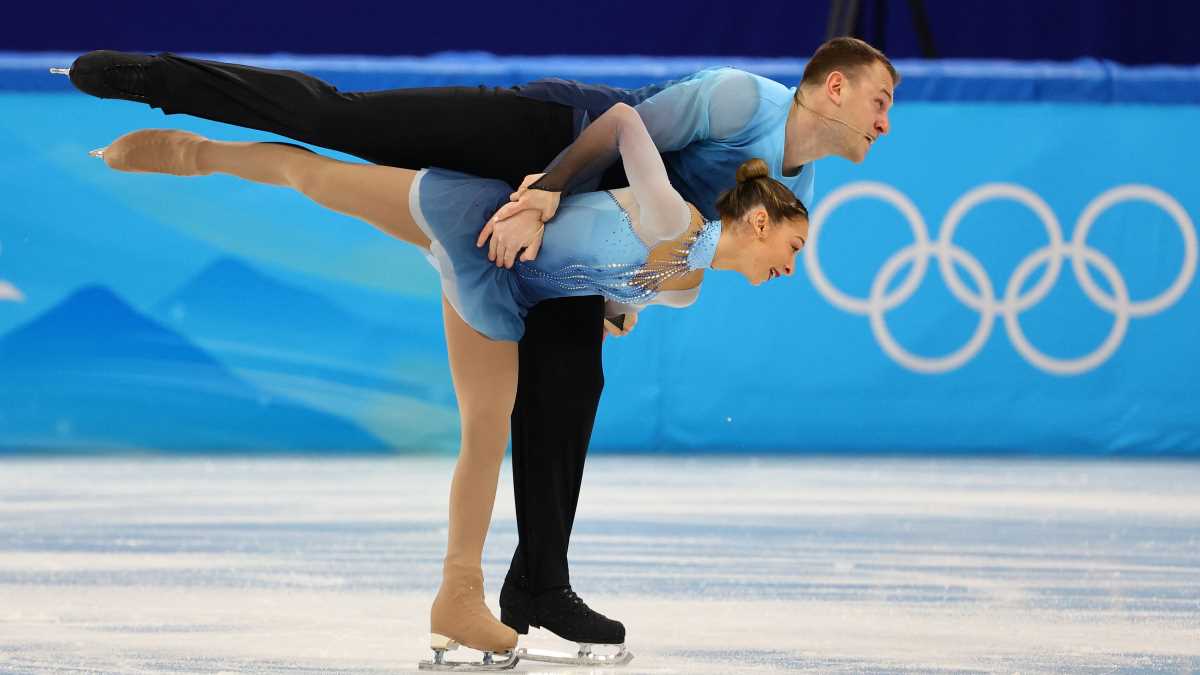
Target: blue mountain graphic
point(251, 320)
point(92, 374)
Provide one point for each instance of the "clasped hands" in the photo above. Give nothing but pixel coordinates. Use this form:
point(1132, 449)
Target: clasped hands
point(516, 228)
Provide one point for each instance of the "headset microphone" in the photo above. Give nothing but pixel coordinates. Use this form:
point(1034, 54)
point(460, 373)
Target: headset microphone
point(834, 119)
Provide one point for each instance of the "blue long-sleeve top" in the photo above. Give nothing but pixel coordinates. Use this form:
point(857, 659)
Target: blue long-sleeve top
point(705, 125)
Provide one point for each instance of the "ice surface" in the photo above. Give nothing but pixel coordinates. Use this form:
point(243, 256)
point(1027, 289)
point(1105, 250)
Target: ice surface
point(714, 564)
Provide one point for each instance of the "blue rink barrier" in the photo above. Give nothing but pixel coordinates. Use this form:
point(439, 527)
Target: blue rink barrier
point(1083, 80)
point(1012, 270)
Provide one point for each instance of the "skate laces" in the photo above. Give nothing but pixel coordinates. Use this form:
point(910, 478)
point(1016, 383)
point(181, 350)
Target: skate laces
point(573, 604)
point(128, 78)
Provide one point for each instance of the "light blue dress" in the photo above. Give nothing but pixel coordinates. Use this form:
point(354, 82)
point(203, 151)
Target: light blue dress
point(598, 243)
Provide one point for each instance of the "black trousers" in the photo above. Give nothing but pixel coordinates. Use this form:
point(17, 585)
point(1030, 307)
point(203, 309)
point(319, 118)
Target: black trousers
point(488, 132)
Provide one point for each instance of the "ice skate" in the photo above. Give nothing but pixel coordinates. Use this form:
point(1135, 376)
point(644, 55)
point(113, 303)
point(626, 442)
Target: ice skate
point(109, 74)
point(155, 151)
point(562, 612)
point(490, 660)
point(459, 617)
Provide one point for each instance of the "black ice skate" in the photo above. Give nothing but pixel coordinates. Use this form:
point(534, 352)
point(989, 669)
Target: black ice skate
point(109, 74)
point(563, 613)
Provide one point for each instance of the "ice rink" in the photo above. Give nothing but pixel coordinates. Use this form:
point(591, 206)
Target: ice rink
point(713, 564)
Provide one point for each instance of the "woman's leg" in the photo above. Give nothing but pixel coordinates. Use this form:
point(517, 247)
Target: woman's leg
point(485, 381)
point(376, 194)
point(484, 371)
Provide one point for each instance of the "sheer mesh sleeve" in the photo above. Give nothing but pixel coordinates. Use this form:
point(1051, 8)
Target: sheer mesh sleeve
point(712, 104)
point(715, 103)
point(620, 131)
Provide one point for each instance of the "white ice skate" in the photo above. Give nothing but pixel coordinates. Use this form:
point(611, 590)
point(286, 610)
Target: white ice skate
point(490, 661)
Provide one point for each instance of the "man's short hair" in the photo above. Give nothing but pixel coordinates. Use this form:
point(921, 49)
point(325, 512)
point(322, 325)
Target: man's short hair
point(844, 54)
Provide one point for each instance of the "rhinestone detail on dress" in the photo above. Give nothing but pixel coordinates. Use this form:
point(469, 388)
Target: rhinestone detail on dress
point(634, 283)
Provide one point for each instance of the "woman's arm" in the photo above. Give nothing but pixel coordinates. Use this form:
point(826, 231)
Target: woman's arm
point(713, 104)
point(620, 131)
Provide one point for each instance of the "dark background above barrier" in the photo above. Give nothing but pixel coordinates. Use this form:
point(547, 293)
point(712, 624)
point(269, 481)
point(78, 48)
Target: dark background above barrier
point(1120, 30)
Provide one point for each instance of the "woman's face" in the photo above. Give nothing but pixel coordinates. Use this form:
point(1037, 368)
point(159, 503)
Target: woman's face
point(767, 250)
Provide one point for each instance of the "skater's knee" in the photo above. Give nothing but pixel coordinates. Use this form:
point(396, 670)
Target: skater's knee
point(486, 419)
point(486, 422)
point(484, 440)
point(308, 173)
point(332, 116)
point(581, 386)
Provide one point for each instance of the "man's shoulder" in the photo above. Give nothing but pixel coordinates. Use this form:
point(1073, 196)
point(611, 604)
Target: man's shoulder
point(732, 72)
point(730, 81)
point(723, 74)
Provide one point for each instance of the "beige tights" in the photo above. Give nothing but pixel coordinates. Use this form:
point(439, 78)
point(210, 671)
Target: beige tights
point(484, 371)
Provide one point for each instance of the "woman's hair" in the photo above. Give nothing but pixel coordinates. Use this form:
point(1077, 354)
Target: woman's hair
point(755, 187)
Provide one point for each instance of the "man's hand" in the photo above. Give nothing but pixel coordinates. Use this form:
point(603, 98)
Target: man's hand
point(541, 201)
point(611, 328)
point(507, 237)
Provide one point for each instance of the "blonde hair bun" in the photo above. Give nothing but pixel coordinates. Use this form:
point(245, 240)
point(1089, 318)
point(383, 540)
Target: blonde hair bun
point(755, 187)
point(751, 169)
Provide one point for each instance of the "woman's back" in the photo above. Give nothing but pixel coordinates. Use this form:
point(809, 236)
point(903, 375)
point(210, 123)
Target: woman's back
point(597, 245)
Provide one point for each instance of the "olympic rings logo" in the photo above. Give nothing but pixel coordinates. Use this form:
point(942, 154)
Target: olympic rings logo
point(1014, 302)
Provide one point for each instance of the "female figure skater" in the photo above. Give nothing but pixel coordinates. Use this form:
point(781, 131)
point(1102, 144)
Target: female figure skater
point(635, 246)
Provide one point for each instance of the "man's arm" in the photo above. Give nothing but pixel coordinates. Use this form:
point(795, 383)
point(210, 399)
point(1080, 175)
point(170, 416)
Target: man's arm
point(592, 99)
point(712, 104)
point(618, 132)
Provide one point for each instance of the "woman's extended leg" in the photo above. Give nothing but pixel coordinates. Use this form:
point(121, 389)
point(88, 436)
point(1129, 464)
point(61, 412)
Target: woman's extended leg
point(484, 370)
point(485, 381)
point(376, 194)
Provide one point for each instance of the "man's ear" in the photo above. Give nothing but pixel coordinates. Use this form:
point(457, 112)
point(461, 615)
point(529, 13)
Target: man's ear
point(835, 86)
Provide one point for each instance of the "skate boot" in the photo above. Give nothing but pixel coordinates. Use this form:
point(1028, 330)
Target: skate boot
point(109, 74)
point(155, 151)
point(563, 613)
point(460, 617)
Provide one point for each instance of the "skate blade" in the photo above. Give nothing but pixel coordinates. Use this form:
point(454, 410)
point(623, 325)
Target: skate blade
point(585, 657)
point(60, 71)
point(491, 661)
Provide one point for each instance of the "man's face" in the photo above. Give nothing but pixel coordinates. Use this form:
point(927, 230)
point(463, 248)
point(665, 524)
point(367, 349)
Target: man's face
point(866, 100)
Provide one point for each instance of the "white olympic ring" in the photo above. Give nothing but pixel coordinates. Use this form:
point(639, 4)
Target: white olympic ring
point(1013, 303)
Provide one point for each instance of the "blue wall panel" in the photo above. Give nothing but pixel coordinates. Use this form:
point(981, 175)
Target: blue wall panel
point(207, 314)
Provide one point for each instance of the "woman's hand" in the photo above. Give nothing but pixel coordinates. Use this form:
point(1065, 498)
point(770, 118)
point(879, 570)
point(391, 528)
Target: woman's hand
point(508, 237)
point(524, 199)
point(529, 180)
point(610, 328)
